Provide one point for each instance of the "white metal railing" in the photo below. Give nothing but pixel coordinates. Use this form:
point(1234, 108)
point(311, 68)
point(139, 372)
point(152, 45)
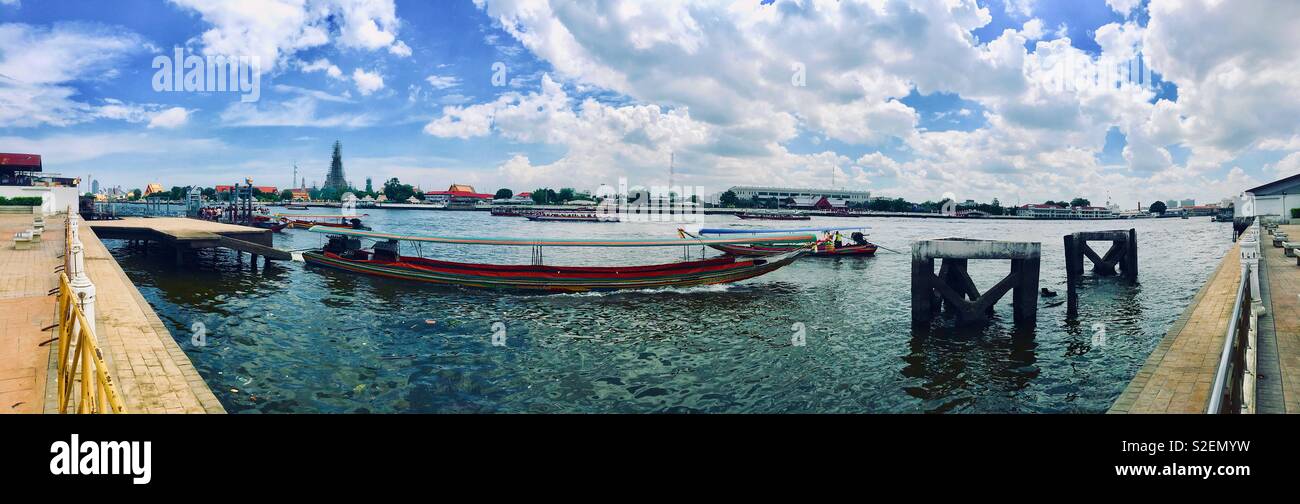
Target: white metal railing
point(1234, 379)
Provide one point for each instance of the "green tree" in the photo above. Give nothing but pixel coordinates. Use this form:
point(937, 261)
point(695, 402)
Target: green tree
point(286, 195)
point(1159, 207)
point(504, 193)
point(729, 199)
point(396, 191)
point(566, 194)
point(545, 196)
point(134, 195)
point(1080, 202)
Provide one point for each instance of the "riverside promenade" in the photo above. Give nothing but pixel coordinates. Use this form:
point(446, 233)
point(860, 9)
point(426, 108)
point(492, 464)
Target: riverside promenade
point(152, 372)
point(1179, 374)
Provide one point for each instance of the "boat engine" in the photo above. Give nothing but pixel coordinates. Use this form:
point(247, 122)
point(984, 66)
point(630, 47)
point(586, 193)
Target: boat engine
point(341, 245)
point(387, 250)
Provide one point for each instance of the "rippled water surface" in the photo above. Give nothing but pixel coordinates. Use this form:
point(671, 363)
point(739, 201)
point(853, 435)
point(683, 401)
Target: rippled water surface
point(291, 338)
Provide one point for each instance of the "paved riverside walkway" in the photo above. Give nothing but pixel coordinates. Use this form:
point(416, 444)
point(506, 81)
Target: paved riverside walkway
point(1178, 375)
point(151, 370)
point(26, 276)
point(1280, 329)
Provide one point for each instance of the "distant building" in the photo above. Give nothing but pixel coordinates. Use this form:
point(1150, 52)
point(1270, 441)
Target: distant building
point(458, 195)
point(299, 195)
point(783, 193)
point(1171, 204)
point(815, 203)
point(1188, 203)
point(94, 186)
point(1275, 198)
point(152, 189)
point(1040, 211)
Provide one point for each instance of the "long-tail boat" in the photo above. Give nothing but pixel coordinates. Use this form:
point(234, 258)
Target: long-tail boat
point(772, 216)
point(570, 216)
point(307, 221)
point(343, 251)
point(773, 246)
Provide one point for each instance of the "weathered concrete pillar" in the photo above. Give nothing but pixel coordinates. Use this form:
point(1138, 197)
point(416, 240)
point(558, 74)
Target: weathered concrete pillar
point(1122, 253)
point(955, 287)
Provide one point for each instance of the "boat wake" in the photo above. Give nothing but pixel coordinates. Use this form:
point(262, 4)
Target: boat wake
point(699, 289)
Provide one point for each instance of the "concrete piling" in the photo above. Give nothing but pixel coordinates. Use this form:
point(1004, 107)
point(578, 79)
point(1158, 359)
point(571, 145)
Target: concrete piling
point(1123, 253)
point(952, 289)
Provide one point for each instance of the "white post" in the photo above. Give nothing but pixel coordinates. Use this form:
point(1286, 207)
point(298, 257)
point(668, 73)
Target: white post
point(81, 285)
point(1250, 250)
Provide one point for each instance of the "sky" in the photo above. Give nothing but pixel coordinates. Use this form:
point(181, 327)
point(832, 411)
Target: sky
point(1021, 100)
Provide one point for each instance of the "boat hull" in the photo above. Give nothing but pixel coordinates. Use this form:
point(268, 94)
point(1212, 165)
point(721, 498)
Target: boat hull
point(822, 251)
point(774, 217)
point(544, 278)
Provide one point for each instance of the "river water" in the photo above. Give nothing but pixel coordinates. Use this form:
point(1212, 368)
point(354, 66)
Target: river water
point(292, 338)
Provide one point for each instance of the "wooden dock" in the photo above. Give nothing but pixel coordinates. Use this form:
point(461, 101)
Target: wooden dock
point(1179, 374)
point(183, 234)
point(153, 373)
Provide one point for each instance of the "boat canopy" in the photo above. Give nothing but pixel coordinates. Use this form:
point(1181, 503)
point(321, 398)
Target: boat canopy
point(716, 231)
point(534, 242)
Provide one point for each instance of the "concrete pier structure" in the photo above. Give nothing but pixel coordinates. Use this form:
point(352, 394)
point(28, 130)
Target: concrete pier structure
point(1122, 255)
point(954, 289)
point(152, 372)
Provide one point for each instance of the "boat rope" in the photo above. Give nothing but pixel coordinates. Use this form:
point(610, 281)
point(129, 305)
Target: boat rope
point(887, 248)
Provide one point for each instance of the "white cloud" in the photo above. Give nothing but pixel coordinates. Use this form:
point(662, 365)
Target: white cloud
point(274, 30)
point(442, 81)
point(367, 82)
point(297, 112)
point(1020, 8)
point(171, 118)
point(322, 65)
point(1287, 166)
point(1124, 7)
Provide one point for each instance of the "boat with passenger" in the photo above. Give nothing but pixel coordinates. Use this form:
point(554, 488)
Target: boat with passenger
point(833, 243)
point(307, 221)
point(384, 258)
point(571, 216)
point(773, 216)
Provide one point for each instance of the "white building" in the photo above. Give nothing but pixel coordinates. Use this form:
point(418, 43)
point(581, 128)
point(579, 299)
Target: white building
point(782, 193)
point(1275, 198)
point(1039, 211)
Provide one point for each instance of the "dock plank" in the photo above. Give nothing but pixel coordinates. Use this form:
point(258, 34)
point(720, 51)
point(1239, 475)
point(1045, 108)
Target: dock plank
point(1179, 373)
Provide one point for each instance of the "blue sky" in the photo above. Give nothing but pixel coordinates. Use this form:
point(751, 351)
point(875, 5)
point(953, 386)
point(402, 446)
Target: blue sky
point(909, 99)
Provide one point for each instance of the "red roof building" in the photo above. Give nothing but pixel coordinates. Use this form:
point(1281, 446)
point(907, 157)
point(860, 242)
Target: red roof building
point(21, 162)
point(263, 189)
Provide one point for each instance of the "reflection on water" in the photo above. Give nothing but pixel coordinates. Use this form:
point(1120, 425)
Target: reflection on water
point(289, 338)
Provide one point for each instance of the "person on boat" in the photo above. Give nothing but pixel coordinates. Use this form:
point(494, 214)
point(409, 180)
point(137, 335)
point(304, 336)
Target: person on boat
point(859, 238)
point(838, 239)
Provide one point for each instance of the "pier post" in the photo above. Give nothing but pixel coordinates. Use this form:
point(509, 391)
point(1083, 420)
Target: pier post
point(81, 285)
point(1249, 250)
point(957, 292)
point(1122, 253)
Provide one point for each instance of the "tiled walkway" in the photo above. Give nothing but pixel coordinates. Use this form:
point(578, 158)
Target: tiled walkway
point(1284, 318)
point(1178, 375)
point(153, 373)
point(25, 278)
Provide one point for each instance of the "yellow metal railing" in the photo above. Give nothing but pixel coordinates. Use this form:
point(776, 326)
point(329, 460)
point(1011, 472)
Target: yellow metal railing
point(79, 354)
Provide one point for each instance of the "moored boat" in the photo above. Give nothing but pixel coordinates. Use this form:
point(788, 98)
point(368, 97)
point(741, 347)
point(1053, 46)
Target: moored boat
point(572, 217)
point(307, 221)
point(343, 251)
point(822, 248)
point(772, 216)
